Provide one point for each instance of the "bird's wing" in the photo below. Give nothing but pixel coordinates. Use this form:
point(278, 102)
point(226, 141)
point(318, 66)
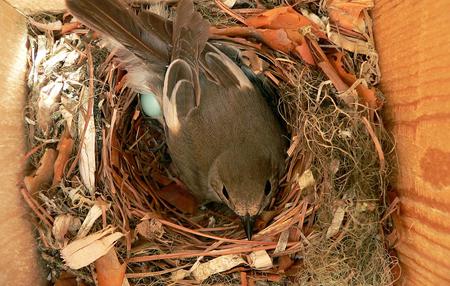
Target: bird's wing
point(223, 70)
point(179, 95)
point(182, 91)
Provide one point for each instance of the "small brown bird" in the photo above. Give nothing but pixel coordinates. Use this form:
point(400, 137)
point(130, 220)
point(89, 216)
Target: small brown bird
point(223, 137)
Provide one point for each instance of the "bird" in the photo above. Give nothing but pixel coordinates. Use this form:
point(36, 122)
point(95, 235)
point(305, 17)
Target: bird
point(224, 139)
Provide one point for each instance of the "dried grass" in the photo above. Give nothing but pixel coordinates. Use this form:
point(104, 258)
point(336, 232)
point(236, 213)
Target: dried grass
point(342, 156)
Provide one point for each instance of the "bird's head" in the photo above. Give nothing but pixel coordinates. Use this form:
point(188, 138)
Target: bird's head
point(247, 183)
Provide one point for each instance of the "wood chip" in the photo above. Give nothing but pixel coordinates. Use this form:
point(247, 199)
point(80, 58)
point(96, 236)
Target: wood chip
point(351, 44)
point(61, 226)
point(94, 213)
point(216, 265)
point(87, 162)
point(282, 242)
point(229, 3)
point(84, 251)
point(49, 98)
point(179, 275)
point(306, 180)
point(260, 260)
point(336, 223)
point(150, 229)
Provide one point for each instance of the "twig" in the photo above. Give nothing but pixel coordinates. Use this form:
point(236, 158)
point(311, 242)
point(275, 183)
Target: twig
point(376, 142)
point(29, 200)
point(180, 255)
point(155, 273)
point(182, 228)
point(227, 10)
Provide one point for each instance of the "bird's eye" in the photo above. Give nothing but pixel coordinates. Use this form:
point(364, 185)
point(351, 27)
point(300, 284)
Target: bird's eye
point(267, 188)
point(225, 193)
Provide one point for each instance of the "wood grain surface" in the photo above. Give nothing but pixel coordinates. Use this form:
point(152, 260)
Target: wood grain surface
point(30, 7)
point(413, 40)
point(18, 255)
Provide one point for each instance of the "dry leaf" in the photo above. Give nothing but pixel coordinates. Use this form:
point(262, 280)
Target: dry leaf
point(150, 229)
point(283, 18)
point(304, 52)
point(64, 152)
point(43, 176)
point(179, 197)
point(349, 14)
point(84, 251)
point(365, 93)
point(283, 40)
point(87, 162)
point(277, 39)
point(216, 265)
point(336, 223)
point(287, 41)
point(324, 64)
point(109, 270)
point(49, 97)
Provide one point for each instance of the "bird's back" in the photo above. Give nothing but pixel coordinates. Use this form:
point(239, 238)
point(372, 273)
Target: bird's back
point(235, 119)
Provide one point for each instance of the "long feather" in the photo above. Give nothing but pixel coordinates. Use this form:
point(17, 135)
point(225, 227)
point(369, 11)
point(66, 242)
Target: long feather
point(114, 19)
point(190, 34)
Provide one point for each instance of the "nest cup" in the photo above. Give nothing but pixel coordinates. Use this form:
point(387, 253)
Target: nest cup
point(134, 148)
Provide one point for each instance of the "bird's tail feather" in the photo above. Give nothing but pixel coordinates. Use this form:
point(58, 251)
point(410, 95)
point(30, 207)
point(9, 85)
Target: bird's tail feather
point(115, 19)
point(190, 33)
point(142, 43)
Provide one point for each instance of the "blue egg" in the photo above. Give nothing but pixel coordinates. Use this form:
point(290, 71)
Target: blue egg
point(150, 105)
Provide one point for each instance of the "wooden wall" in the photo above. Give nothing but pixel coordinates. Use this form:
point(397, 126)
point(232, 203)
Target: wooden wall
point(413, 39)
point(19, 264)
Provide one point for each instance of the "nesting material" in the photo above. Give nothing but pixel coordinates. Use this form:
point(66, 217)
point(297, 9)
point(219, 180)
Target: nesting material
point(84, 251)
point(216, 265)
point(110, 209)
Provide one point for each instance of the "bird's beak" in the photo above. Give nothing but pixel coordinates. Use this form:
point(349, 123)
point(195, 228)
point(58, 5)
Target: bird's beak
point(248, 222)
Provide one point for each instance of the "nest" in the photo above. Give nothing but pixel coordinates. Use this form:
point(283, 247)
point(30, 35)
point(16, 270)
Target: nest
point(98, 172)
